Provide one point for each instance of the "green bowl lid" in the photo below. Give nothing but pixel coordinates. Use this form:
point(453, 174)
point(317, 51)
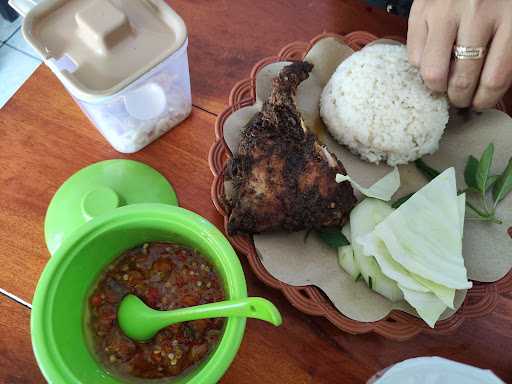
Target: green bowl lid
point(98, 189)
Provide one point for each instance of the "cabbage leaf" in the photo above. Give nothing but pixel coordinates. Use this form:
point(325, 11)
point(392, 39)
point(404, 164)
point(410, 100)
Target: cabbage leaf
point(384, 189)
point(445, 294)
point(372, 245)
point(424, 234)
point(376, 247)
point(461, 199)
point(428, 305)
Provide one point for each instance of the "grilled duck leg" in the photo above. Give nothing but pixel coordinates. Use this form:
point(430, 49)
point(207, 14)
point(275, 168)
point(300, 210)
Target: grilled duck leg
point(282, 178)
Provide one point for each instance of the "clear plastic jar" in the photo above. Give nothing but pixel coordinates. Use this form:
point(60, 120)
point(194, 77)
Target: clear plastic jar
point(147, 108)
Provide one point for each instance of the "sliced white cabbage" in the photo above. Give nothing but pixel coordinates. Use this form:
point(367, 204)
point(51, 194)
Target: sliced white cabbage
point(387, 288)
point(424, 233)
point(461, 199)
point(346, 231)
point(376, 247)
point(383, 189)
point(363, 219)
point(372, 245)
point(445, 294)
point(428, 305)
point(414, 252)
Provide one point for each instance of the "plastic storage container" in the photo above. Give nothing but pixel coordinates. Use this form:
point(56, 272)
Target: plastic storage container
point(146, 109)
point(124, 62)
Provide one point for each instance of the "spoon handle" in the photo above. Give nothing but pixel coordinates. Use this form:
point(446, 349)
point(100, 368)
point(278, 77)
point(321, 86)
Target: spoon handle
point(253, 307)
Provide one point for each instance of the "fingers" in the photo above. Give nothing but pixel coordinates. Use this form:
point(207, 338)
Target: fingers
point(435, 61)
point(416, 33)
point(474, 31)
point(496, 75)
point(435, 26)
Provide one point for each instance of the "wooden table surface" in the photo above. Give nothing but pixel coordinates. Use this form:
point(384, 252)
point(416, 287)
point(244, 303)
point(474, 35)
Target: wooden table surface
point(44, 139)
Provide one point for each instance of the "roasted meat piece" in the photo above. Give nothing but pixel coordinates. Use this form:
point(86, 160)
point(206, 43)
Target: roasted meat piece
point(282, 177)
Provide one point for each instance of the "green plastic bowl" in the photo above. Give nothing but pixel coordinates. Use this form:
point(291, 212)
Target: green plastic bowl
point(60, 302)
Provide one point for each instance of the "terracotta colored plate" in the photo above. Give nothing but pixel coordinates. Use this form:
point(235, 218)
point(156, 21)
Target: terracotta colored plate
point(480, 300)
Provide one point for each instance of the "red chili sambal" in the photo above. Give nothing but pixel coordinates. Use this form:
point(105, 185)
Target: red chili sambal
point(165, 276)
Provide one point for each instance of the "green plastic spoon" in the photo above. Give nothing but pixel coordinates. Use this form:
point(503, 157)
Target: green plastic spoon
point(141, 323)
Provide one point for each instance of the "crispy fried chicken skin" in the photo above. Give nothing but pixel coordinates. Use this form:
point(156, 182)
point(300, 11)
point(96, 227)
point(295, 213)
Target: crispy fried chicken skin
point(283, 179)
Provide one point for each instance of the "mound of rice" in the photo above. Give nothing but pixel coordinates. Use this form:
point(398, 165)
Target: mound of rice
point(378, 106)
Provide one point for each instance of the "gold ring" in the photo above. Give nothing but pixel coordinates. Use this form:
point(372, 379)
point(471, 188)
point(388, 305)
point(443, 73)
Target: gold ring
point(468, 53)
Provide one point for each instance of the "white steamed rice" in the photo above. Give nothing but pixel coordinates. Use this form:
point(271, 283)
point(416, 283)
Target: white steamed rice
point(378, 106)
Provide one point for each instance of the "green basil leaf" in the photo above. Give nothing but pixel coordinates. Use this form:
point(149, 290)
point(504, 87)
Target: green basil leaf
point(401, 200)
point(470, 172)
point(333, 237)
point(491, 181)
point(504, 184)
point(469, 189)
point(429, 172)
point(484, 167)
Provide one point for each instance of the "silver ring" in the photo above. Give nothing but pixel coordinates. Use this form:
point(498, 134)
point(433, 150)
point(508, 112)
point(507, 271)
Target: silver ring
point(468, 53)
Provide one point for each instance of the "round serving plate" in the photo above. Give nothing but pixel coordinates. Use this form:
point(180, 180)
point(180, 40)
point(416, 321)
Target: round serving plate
point(480, 300)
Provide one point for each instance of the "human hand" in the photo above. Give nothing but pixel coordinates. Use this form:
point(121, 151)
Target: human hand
point(436, 26)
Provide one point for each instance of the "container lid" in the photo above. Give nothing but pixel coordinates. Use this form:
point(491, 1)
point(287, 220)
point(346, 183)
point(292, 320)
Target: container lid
point(101, 188)
point(98, 47)
point(436, 370)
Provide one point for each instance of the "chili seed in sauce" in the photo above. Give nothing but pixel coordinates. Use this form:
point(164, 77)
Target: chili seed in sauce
point(165, 276)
